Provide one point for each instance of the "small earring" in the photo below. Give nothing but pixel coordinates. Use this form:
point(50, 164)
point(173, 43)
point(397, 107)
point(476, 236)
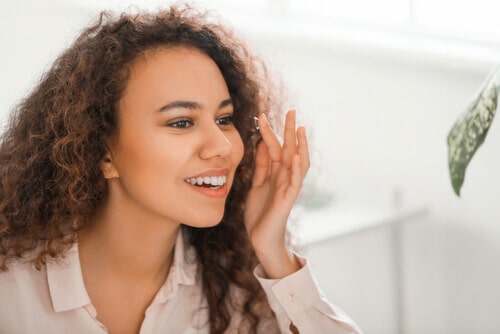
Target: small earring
point(256, 123)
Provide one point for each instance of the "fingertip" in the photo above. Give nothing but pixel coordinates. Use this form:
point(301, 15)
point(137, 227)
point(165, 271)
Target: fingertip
point(301, 134)
point(264, 124)
point(290, 116)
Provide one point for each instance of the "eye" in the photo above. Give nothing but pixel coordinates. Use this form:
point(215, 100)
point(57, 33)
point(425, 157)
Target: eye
point(181, 124)
point(225, 120)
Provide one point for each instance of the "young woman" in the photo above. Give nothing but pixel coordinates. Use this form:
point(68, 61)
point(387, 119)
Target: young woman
point(138, 196)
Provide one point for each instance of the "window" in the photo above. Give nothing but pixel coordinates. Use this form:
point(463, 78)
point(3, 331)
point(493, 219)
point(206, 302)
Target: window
point(355, 11)
point(477, 19)
point(473, 19)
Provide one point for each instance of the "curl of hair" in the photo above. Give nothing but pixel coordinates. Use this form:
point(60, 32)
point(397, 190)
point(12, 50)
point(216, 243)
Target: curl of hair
point(50, 177)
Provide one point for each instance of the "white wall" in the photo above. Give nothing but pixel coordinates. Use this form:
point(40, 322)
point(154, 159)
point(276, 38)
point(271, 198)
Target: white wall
point(379, 123)
point(32, 35)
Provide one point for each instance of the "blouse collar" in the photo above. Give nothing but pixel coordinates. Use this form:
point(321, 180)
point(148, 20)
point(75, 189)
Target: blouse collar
point(68, 291)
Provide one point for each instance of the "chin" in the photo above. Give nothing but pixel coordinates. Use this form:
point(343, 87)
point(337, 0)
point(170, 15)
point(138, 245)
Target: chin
point(205, 222)
point(205, 225)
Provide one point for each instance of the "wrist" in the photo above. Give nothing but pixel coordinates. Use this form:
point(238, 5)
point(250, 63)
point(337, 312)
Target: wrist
point(278, 263)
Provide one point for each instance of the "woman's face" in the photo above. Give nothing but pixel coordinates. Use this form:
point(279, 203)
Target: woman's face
point(176, 149)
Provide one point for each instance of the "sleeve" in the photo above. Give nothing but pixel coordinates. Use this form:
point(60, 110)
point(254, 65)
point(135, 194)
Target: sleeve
point(297, 299)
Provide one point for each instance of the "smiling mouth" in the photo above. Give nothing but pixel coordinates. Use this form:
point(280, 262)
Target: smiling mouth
point(211, 182)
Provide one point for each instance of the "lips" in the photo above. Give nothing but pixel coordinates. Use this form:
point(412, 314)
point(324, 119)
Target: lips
point(212, 183)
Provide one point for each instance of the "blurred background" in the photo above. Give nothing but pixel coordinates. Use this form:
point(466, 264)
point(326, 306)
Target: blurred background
point(379, 85)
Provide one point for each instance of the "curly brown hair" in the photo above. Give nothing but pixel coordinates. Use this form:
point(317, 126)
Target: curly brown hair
point(50, 180)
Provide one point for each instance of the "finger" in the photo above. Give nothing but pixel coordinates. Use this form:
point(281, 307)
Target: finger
point(290, 140)
point(273, 145)
point(262, 163)
point(303, 151)
point(295, 178)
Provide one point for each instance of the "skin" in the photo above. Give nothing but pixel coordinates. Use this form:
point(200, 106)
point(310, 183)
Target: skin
point(127, 249)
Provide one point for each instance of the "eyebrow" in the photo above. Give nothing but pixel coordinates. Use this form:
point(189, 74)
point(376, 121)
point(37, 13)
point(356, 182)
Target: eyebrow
point(192, 105)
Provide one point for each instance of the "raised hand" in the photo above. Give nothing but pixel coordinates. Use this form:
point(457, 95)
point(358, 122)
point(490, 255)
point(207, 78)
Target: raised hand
point(279, 172)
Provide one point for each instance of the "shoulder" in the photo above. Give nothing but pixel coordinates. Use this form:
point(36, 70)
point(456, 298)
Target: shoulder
point(26, 304)
point(19, 268)
point(21, 276)
point(22, 288)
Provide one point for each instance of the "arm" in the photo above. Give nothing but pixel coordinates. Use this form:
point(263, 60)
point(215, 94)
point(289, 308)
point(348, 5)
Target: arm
point(279, 172)
point(289, 286)
point(299, 305)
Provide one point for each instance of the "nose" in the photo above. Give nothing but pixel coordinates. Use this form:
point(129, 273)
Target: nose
point(215, 143)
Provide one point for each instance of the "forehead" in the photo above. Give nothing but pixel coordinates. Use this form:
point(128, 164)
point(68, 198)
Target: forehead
point(173, 60)
point(175, 71)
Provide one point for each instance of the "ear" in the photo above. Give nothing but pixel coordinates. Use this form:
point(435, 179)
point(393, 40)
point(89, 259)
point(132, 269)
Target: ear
point(108, 168)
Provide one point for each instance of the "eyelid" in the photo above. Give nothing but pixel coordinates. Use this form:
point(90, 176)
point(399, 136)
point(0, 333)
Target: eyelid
point(228, 114)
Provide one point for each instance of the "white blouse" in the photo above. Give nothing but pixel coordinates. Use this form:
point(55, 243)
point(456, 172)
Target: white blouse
point(54, 300)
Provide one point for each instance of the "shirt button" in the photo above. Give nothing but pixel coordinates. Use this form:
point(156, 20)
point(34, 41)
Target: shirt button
point(289, 298)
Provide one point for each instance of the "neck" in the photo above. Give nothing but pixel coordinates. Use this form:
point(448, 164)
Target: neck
point(121, 243)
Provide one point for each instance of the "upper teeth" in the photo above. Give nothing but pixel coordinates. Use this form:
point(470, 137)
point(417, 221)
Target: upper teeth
point(211, 180)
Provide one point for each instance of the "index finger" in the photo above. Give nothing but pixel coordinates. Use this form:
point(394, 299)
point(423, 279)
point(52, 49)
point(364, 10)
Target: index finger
point(273, 145)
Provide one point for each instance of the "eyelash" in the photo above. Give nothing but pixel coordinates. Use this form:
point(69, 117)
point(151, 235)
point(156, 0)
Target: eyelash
point(228, 119)
point(187, 123)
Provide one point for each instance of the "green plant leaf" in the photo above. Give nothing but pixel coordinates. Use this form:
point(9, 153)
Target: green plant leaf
point(470, 129)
